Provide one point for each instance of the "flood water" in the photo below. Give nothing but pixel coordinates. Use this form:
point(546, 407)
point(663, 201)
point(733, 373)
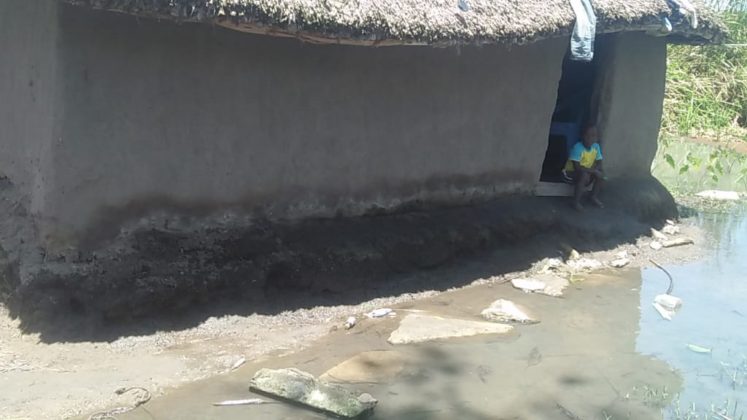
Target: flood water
point(599, 352)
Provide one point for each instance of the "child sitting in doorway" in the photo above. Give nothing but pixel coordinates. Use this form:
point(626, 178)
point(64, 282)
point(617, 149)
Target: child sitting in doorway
point(584, 168)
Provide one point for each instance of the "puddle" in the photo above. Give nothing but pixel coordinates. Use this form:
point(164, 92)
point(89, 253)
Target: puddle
point(714, 316)
point(600, 352)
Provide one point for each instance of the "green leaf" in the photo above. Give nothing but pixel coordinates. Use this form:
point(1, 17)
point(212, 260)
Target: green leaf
point(669, 159)
point(684, 169)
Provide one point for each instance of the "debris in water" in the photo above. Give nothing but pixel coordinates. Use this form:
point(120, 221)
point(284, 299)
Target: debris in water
point(140, 396)
point(666, 304)
point(698, 349)
point(658, 235)
point(381, 312)
point(535, 357)
point(250, 401)
point(528, 285)
point(303, 388)
point(506, 311)
point(655, 245)
point(238, 363)
point(719, 195)
point(677, 242)
point(574, 255)
point(350, 323)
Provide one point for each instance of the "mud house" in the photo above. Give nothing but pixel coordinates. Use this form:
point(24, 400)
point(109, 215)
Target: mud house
point(124, 116)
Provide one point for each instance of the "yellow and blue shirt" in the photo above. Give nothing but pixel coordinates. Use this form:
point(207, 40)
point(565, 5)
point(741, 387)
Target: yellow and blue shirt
point(585, 157)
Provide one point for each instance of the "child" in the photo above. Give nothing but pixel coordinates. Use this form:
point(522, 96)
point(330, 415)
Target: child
point(584, 167)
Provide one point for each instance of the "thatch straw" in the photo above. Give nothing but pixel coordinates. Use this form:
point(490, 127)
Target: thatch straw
point(434, 22)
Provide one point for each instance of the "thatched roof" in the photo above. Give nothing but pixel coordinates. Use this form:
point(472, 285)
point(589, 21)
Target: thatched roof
point(431, 22)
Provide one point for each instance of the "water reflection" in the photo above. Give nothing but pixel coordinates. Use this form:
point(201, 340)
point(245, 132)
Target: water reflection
point(714, 316)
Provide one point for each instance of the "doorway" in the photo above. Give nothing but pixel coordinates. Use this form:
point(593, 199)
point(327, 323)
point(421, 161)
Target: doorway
point(573, 110)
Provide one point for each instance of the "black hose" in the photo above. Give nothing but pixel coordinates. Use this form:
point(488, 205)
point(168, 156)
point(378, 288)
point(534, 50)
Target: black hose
point(671, 280)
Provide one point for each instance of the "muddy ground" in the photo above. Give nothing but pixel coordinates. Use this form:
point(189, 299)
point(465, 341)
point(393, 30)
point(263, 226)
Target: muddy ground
point(42, 377)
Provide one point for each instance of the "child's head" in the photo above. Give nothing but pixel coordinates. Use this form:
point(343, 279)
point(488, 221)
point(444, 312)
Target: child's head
point(590, 135)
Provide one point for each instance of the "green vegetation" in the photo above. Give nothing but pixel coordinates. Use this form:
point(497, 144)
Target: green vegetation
point(706, 92)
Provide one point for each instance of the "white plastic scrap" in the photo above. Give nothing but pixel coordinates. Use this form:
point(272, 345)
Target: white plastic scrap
point(667, 305)
point(687, 9)
point(584, 30)
point(381, 312)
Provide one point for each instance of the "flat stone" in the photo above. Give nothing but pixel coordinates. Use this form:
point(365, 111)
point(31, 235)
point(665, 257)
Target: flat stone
point(677, 242)
point(503, 310)
point(370, 366)
point(554, 285)
point(417, 328)
point(528, 285)
point(302, 388)
point(543, 283)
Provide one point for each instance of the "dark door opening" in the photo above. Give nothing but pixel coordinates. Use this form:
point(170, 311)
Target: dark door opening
point(572, 112)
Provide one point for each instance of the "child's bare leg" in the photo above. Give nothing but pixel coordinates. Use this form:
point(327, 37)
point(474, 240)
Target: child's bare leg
point(598, 181)
point(582, 180)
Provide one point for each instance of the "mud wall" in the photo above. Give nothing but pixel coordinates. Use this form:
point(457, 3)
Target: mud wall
point(630, 107)
point(192, 118)
point(28, 35)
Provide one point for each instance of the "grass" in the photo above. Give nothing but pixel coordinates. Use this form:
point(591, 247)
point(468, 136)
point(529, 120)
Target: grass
point(706, 93)
point(685, 167)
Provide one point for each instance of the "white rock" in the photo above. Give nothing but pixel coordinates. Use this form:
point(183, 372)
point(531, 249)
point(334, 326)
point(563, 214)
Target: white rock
point(719, 195)
point(554, 285)
point(620, 262)
point(506, 311)
point(350, 322)
point(416, 328)
point(658, 235)
point(584, 264)
point(670, 229)
point(528, 285)
point(574, 255)
point(655, 245)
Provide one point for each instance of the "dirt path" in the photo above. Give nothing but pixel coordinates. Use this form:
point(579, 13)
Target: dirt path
point(79, 377)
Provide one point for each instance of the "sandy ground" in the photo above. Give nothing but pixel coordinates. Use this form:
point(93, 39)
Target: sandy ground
point(64, 380)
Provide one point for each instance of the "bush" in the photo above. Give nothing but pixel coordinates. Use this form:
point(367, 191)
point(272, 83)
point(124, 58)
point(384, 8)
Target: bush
point(707, 86)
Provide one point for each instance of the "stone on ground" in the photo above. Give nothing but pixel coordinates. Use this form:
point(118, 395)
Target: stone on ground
point(370, 366)
point(554, 284)
point(503, 310)
point(584, 264)
point(302, 388)
point(543, 283)
point(528, 285)
point(677, 242)
point(417, 328)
